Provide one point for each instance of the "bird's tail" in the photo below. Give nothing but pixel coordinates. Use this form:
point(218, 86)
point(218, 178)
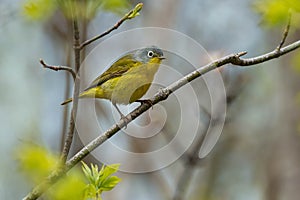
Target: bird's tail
point(67, 101)
point(90, 93)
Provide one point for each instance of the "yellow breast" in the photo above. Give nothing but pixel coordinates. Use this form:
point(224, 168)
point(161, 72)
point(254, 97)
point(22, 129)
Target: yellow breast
point(132, 85)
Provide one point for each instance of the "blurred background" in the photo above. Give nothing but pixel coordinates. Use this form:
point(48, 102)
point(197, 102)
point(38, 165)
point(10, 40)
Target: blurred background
point(256, 156)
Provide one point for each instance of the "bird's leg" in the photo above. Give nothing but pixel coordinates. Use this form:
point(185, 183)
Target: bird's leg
point(148, 101)
point(121, 114)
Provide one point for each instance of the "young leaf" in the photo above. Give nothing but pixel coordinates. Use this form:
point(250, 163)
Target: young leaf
point(87, 172)
point(90, 191)
point(110, 183)
point(100, 181)
point(136, 11)
point(109, 170)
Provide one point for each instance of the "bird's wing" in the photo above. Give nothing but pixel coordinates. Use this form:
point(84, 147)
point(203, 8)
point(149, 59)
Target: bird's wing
point(117, 69)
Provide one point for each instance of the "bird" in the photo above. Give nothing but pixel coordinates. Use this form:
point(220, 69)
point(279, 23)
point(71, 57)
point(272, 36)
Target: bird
point(127, 79)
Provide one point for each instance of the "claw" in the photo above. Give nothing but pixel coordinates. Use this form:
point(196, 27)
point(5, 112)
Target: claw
point(125, 120)
point(121, 115)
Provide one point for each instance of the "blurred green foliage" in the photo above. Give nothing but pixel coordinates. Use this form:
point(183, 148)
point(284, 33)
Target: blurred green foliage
point(70, 186)
point(100, 181)
point(42, 9)
point(276, 12)
point(116, 6)
point(37, 163)
point(38, 9)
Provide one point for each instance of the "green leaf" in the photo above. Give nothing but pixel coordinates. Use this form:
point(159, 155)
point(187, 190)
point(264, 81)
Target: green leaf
point(109, 170)
point(90, 191)
point(135, 11)
point(110, 183)
point(100, 181)
point(95, 170)
point(87, 172)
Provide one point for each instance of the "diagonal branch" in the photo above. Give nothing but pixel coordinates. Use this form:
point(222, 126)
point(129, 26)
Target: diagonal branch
point(263, 58)
point(162, 95)
point(58, 68)
point(131, 14)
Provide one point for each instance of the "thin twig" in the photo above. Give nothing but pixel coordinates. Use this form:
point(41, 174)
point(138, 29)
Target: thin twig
point(263, 58)
point(66, 108)
point(58, 68)
point(65, 115)
point(132, 13)
point(70, 134)
point(158, 97)
point(285, 33)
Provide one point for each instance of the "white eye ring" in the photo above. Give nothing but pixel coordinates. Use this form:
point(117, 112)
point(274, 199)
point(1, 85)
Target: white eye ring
point(150, 54)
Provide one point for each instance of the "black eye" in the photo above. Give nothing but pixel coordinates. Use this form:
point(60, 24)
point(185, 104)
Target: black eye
point(150, 54)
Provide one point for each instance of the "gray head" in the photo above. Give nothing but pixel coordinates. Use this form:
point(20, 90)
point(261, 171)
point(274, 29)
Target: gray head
point(144, 55)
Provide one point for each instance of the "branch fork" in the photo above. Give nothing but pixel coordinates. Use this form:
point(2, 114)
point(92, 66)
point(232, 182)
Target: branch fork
point(58, 68)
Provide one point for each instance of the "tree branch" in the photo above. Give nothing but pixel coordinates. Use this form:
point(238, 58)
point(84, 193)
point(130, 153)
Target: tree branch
point(69, 136)
point(131, 14)
point(58, 68)
point(66, 111)
point(263, 58)
point(163, 94)
point(285, 33)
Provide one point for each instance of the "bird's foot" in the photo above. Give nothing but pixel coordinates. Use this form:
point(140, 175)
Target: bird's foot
point(124, 119)
point(147, 101)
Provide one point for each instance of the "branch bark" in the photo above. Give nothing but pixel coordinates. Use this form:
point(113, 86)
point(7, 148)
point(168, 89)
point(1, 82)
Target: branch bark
point(67, 94)
point(163, 94)
point(70, 134)
point(286, 32)
point(58, 68)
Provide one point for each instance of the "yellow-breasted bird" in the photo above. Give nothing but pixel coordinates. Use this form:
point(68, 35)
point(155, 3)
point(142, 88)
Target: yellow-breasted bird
point(127, 79)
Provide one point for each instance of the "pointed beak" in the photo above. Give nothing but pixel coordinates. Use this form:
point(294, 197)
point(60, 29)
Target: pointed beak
point(161, 58)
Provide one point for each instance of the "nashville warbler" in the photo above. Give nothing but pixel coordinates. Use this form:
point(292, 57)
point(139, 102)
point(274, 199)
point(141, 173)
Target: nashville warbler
point(127, 79)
